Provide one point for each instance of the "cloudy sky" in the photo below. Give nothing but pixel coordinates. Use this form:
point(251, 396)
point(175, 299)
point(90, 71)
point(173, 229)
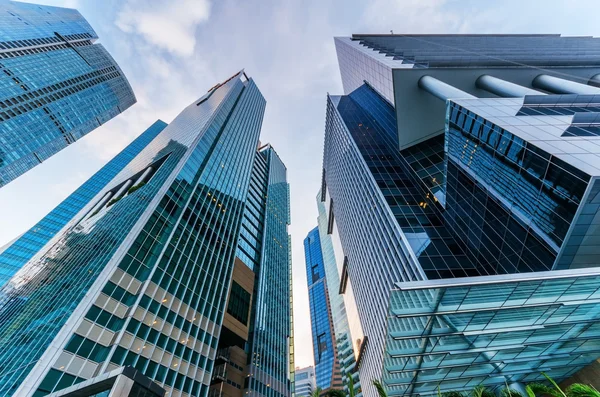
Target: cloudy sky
point(173, 51)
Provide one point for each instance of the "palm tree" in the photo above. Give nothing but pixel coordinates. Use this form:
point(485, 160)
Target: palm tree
point(452, 394)
point(380, 390)
point(575, 390)
point(316, 392)
point(482, 391)
point(335, 393)
point(351, 392)
point(538, 389)
point(508, 392)
point(579, 390)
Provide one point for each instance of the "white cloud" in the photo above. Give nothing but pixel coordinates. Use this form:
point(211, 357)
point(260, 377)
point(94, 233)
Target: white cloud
point(169, 25)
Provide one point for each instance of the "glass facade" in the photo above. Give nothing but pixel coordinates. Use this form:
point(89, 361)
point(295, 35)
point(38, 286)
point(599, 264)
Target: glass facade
point(374, 249)
point(422, 196)
point(141, 275)
point(513, 201)
point(271, 328)
point(56, 85)
point(19, 252)
point(327, 367)
point(343, 337)
point(491, 331)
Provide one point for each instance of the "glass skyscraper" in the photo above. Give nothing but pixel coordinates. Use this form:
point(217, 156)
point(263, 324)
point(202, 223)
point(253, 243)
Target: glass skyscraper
point(327, 363)
point(147, 273)
point(56, 85)
point(459, 187)
point(20, 251)
point(333, 261)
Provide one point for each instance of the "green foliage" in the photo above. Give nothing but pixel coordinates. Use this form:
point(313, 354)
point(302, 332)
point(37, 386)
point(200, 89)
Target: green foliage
point(508, 392)
point(538, 389)
point(351, 392)
point(482, 391)
point(316, 392)
point(453, 394)
point(136, 187)
point(380, 390)
point(579, 390)
point(335, 393)
point(111, 202)
point(556, 387)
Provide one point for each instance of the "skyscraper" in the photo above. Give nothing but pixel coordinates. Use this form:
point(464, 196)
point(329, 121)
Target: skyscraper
point(20, 251)
point(254, 347)
point(141, 275)
point(342, 305)
point(327, 363)
point(462, 222)
point(56, 85)
point(305, 378)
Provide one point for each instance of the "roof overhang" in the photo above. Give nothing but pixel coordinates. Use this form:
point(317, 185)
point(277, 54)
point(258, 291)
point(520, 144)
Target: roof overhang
point(421, 116)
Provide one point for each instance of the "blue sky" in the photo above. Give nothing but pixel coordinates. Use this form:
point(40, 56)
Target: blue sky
point(173, 51)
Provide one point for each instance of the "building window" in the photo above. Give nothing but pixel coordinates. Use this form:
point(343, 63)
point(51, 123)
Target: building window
point(239, 303)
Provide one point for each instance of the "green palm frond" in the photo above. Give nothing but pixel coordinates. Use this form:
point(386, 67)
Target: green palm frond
point(380, 390)
point(453, 394)
point(316, 392)
point(335, 393)
point(579, 390)
point(558, 389)
point(482, 391)
point(350, 385)
point(538, 389)
point(508, 392)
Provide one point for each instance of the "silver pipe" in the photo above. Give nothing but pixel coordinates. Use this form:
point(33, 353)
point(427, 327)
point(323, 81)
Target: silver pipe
point(98, 205)
point(123, 189)
point(441, 90)
point(595, 81)
point(504, 88)
point(143, 176)
point(562, 86)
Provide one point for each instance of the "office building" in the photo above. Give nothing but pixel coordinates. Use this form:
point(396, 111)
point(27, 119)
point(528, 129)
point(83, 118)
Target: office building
point(339, 314)
point(305, 381)
point(459, 184)
point(327, 363)
point(21, 250)
point(56, 85)
point(254, 348)
point(141, 275)
point(121, 382)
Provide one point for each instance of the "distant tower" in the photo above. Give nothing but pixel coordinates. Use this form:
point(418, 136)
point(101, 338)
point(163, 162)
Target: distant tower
point(56, 85)
point(327, 363)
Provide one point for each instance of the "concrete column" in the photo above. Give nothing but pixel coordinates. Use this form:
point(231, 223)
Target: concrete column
point(123, 189)
point(99, 205)
point(562, 86)
point(143, 177)
point(441, 90)
point(122, 387)
point(595, 81)
point(504, 88)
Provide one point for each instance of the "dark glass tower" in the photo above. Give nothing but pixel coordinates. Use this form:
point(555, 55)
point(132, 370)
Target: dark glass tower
point(461, 197)
point(20, 251)
point(141, 276)
point(255, 356)
point(56, 85)
point(327, 363)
